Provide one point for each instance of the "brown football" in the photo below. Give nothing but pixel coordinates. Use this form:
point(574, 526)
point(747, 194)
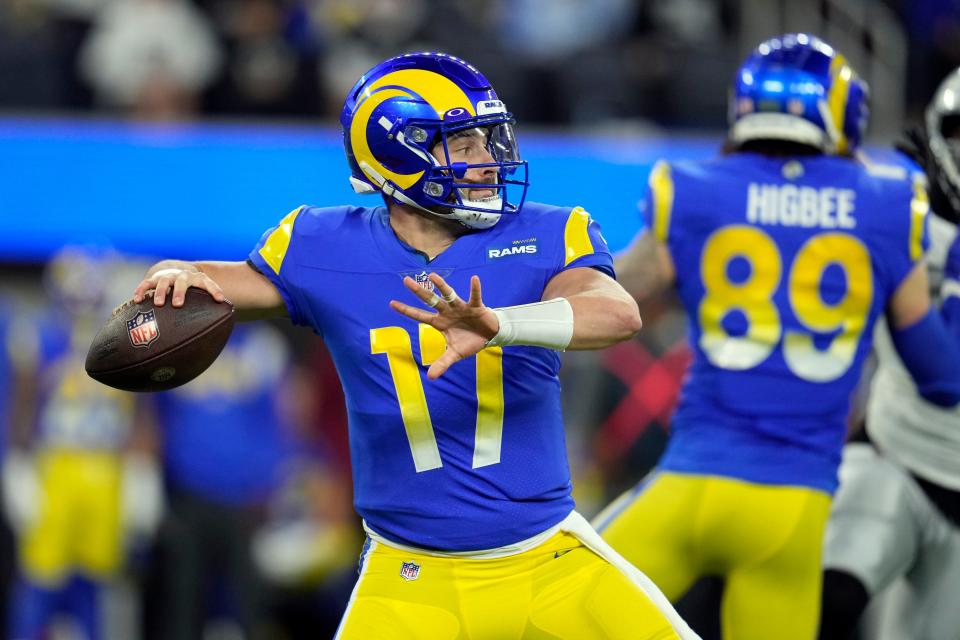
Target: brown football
point(147, 348)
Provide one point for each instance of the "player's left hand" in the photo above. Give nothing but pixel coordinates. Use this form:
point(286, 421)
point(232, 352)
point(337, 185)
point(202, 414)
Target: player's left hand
point(466, 325)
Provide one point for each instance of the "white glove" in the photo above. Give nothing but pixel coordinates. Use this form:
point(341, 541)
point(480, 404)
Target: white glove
point(141, 495)
point(21, 490)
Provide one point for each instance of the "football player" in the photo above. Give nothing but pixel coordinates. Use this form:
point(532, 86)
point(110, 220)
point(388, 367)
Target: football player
point(897, 512)
point(459, 463)
point(225, 447)
point(784, 251)
point(79, 477)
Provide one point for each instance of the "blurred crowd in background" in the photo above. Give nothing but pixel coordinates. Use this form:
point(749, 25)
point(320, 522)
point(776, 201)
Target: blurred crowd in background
point(560, 62)
point(225, 506)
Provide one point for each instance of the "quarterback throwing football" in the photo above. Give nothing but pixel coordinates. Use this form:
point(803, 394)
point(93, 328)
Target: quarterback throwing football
point(460, 470)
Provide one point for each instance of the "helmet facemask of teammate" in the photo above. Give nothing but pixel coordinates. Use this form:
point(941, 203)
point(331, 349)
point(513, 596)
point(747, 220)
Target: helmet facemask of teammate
point(424, 130)
point(942, 161)
point(797, 88)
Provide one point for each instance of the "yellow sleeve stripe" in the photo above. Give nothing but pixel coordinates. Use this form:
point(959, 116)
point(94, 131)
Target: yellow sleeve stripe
point(661, 185)
point(274, 250)
point(575, 236)
point(919, 207)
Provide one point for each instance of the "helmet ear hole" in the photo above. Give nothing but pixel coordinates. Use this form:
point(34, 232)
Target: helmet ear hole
point(415, 134)
point(433, 188)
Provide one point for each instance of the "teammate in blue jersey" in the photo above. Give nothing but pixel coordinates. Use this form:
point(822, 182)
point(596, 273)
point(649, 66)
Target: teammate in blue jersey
point(80, 483)
point(784, 250)
point(225, 444)
point(459, 462)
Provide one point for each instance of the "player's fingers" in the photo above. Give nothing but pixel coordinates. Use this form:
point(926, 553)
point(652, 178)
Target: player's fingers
point(476, 300)
point(412, 312)
point(213, 289)
point(141, 291)
point(429, 298)
point(441, 364)
point(160, 293)
point(180, 285)
point(447, 294)
point(444, 362)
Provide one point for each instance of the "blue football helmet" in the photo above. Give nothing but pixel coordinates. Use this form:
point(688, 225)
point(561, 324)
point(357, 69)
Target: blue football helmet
point(78, 278)
point(405, 106)
point(797, 88)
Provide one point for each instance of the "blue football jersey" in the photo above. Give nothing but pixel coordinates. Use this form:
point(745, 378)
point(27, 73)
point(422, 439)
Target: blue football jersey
point(224, 436)
point(475, 459)
point(783, 266)
point(73, 410)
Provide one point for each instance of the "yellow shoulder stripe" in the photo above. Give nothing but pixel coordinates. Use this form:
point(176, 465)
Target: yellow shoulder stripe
point(919, 207)
point(274, 250)
point(661, 185)
point(576, 240)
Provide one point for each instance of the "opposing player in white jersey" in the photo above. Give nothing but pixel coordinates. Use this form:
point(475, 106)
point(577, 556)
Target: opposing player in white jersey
point(897, 512)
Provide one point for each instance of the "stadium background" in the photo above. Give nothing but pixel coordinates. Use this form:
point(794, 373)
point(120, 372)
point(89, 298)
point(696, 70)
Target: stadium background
point(171, 128)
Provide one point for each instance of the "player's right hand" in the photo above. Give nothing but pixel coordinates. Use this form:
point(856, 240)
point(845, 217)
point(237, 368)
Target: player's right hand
point(467, 325)
point(179, 279)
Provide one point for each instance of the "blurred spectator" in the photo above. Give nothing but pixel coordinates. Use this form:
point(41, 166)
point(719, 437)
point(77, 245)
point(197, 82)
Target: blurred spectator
point(359, 33)
point(228, 442)
point(28, 60)
point(678, 61)
point(557, 46)
point(151, 57)
point(70, 24)
point(271, 59)
point(560, 61)
point(80, 483)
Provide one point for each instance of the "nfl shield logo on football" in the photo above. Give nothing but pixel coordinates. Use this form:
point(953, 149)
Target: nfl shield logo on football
point(143, 329)
point(409, 571)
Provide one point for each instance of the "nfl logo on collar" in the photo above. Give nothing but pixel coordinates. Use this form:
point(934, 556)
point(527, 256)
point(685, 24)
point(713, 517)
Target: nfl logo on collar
point(409, 571)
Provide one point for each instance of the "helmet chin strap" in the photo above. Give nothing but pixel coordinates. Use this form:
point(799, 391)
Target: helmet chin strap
point(479, 219)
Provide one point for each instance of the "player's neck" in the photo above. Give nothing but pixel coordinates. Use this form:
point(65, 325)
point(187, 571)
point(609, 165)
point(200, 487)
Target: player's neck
point(428, 234)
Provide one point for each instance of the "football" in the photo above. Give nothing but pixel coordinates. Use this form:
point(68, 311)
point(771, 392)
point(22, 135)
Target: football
point(146, 348)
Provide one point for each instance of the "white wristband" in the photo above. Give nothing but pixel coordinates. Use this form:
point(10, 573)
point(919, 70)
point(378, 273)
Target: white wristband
point(541, 324)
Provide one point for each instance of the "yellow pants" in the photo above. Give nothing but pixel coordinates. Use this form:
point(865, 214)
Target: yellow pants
point(78, 529)
point(560, 589)
point(764, 539)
